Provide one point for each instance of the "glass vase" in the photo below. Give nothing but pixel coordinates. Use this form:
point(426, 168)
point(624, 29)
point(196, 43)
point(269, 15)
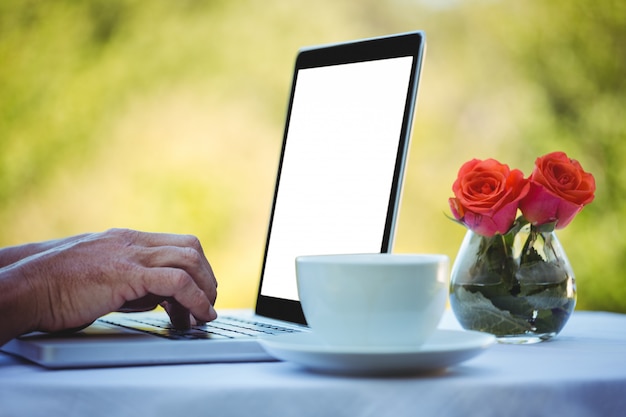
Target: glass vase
point(518, 286)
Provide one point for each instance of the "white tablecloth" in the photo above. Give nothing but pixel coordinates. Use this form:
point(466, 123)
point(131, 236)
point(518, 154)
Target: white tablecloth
point(580, 373)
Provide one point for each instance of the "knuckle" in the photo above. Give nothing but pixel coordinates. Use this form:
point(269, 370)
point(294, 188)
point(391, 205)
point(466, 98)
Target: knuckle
point(180, 279)
point(124, 235)
point(187, 292)
point(200, 297)
point(116, 231)
point(193, 242)
point(191, 256)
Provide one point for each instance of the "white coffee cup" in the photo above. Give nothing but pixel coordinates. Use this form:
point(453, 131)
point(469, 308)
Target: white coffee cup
point(373, 300)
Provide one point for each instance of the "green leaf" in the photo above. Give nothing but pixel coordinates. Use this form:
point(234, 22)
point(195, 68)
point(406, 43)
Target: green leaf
point(475, 311)
point(540, 273)
point(546, 297)
point(495, 263)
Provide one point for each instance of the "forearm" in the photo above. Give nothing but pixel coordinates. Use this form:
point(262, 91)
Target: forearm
point(13, 254)
point(18, 308)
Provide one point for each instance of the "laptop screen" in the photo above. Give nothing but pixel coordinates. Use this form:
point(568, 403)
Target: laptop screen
point(338, 166)
point(341, 163)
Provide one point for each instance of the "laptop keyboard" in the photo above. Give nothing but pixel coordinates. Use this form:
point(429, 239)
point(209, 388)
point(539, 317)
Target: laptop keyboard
point(221, 328)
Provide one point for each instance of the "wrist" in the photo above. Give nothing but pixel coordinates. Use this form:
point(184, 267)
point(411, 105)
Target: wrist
point(18, 308)
point(13, 254)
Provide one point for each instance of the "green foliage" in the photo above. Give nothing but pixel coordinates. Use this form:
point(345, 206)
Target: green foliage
point(578, 70)
point(167, 115)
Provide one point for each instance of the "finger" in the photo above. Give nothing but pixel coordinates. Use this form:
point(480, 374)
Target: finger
point(165, 239)
point(196, 322)
point(148, 239)
point(179, 285)
point(167, 306)
point(179, 315)
point(185, 258)
point(176, 315)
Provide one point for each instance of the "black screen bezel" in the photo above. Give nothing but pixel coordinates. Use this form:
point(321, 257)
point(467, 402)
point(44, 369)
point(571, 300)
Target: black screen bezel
point(411, 44)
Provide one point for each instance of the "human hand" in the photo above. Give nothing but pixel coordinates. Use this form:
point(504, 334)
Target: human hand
point(81, 279)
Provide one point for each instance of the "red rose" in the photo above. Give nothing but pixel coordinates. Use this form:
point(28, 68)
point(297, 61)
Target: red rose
point(559, 189)
point(487, 195)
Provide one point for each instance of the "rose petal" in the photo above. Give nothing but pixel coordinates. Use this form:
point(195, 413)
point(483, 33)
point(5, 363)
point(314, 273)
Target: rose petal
point(487, 194)
point(559, 190)
point(541, 206)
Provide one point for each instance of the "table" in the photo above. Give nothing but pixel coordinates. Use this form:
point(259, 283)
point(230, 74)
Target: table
point(580, 373)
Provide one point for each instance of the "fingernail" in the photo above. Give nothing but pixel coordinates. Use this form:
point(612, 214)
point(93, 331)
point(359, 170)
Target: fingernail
point(212, 313)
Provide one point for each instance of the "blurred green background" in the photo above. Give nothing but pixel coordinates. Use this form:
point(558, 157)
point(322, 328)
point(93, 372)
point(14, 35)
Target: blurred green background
point(168, 115)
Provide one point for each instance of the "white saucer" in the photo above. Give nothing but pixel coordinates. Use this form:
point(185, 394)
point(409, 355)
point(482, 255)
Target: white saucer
point(444, 348)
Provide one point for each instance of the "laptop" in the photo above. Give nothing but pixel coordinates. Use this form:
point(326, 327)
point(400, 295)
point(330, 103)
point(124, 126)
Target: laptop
point(337, 190)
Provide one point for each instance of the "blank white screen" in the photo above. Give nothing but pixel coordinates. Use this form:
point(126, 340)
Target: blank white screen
point(338, 166)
